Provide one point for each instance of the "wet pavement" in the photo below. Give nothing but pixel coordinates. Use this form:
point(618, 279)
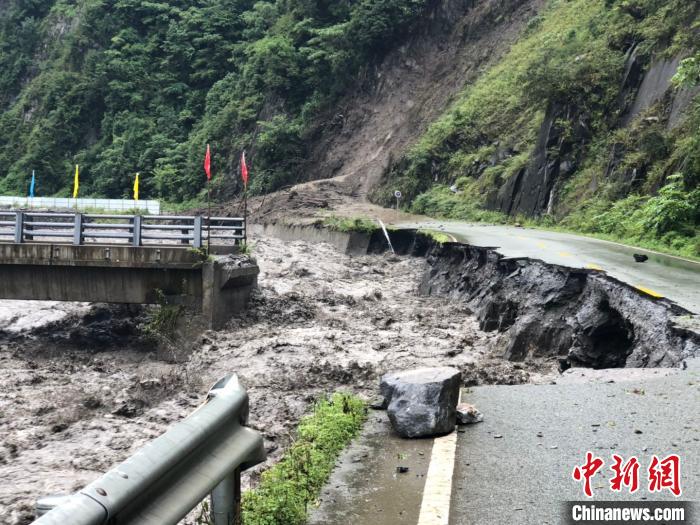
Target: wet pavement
point(366, 488)
point(516, 466)
point(665, 275)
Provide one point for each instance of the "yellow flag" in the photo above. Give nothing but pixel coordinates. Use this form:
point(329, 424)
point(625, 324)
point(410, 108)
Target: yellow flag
point(136, 188)
point(76, 182)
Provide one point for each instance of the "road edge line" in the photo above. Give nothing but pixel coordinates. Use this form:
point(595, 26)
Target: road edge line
point(437, 491)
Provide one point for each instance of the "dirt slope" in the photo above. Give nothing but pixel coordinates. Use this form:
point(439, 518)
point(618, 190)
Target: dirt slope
point(396, 102)
point(414, 85)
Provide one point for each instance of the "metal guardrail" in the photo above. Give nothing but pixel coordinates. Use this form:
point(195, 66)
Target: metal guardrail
point(170, 476)
point(135, 230)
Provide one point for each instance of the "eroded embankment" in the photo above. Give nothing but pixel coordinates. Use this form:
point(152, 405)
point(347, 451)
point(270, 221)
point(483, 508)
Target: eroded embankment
point(81, 388)
point(584, 317)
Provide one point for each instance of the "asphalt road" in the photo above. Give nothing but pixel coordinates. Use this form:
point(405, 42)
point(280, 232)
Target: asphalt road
point(516, 466)
point(661, 276)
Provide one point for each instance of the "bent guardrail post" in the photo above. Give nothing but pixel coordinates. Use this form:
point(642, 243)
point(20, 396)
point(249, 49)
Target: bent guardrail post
point(169, 476)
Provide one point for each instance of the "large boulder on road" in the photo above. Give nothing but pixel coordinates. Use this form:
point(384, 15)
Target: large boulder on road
point(422, 402)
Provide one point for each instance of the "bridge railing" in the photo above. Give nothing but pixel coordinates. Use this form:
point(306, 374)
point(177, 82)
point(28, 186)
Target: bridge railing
point(135, 230)
point(163, 481)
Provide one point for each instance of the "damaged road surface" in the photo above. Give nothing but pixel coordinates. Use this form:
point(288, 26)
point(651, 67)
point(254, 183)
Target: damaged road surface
point(81, 390)
point(582, 316)
point(661, 275)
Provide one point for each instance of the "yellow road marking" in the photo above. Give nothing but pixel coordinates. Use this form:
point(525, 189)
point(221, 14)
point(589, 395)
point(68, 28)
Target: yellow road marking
point(647, 291)
point(594, 267)
point(521, 237)
point(565, 254)
point(437, 492)
point(435, 507)
point(541, 245)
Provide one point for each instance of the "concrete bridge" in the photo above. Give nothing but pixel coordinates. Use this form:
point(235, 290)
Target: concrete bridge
point(188, 260)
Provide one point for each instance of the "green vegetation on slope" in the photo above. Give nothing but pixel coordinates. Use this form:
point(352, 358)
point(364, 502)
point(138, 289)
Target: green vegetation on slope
point(348, 224)
point(128, 85)
point(287, 489)
point(637, 183)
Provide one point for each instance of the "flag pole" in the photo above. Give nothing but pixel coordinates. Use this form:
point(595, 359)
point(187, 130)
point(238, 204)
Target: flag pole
point(207, 169)
point(244, 175)
point(209, 218)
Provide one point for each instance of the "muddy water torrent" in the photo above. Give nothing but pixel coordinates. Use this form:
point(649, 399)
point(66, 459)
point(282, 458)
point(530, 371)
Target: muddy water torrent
point(81, 389)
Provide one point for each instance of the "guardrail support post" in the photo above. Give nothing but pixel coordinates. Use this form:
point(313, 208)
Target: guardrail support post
point(212, 445)
point(28, 226)
point(226, 500)
point(19, 227)
point(197, 232)
point(78, 230)
point(137, 230)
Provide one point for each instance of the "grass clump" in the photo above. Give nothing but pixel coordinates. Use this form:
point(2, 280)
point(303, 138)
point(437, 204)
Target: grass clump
point(350, 224)
point(441, 202)
point(246, 248)
point(287, 489)
point(438, 237)
point(164, 320)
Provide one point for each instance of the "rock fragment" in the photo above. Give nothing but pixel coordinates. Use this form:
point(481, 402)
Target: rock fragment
point(468, 414)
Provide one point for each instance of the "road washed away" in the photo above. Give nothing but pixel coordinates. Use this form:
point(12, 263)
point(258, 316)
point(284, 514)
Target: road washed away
point(82, 387)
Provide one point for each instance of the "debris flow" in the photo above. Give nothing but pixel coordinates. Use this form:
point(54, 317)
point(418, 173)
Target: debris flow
point(82, 388)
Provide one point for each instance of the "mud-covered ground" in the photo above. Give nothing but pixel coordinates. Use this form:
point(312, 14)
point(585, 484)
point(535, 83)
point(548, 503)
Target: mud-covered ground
point(81, 388)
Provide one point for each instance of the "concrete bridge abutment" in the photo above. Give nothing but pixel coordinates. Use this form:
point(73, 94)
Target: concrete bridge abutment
point(217, 286)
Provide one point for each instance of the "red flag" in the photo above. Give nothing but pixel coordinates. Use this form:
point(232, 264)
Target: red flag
point(244, 170)
point(207, 163)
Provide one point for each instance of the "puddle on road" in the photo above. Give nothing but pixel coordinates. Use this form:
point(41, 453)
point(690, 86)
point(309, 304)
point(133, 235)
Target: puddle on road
point(365, 486)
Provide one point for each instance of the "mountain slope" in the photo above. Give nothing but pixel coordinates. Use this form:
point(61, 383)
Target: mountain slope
point(578, 125)
point(128, 85)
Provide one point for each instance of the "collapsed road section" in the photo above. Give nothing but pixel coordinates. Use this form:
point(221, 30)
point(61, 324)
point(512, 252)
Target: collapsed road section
point(583, 317)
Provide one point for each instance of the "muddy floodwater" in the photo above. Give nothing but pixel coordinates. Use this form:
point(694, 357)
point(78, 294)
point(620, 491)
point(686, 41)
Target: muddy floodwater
point(81, 390)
